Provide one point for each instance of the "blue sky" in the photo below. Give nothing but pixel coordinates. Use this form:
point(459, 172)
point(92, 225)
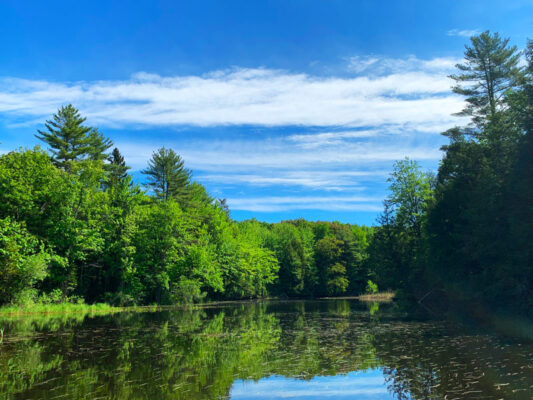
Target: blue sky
point(361, 385)
point(286, 108)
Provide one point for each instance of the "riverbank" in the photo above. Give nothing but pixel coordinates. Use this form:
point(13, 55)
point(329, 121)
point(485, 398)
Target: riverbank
point(60, 308)
point(104, 308)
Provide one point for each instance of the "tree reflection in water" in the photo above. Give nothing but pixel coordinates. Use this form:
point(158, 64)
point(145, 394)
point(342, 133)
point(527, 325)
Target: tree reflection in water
point(311, 345)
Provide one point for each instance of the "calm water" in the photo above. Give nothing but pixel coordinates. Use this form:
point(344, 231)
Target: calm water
point(330, 349)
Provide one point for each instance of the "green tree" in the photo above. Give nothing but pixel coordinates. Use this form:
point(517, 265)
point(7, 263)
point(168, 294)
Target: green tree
point(331, 271)
point(97, 145)
point(66, 136)
point(160, 240)
point(117, 168)
point(396, 252)
point(491, 69)
point(481, 196)
point(293, 246)
point(167, 175)
point(410, 191)
point(23, 262)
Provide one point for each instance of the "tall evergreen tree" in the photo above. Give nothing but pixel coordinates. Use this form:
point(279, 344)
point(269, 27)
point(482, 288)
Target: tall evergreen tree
point(66, 136)
point(490, 70)
point(97, 145)
point(118, 170)
point(167, 175)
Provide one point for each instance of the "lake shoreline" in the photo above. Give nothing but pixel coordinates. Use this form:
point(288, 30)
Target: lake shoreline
point(104, 308)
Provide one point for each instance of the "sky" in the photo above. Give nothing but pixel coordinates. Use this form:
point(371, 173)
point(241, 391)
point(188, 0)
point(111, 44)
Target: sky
point(362, 385)
point(287, 109)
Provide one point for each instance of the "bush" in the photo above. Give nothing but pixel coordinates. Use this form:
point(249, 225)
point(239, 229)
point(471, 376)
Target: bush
point(371, 287)
point(56, 296)
point(23, 263)
point(187, 291)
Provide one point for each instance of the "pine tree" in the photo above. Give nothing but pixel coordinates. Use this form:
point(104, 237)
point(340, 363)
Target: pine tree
point(66, 135)
point(167, 175)
point(490, 70)
point(97, 145)
point(118, 170)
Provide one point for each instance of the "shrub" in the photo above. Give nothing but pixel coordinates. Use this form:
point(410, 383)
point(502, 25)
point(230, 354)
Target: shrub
point(23, 263)
point(371, 287)
point(187, 291)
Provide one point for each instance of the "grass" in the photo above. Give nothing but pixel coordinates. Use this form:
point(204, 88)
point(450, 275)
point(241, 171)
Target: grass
point(103, 308)
point(61, 308)
point(73, 308)
point(383, 297)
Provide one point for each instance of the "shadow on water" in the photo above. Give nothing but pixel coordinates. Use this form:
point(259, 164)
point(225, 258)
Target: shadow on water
point(336, 349)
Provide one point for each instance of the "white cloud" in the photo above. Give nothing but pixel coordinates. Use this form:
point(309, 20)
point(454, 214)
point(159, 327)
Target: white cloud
point(331, 180)
point(354, 161)
point(329, 138)
point(382, 66)
point(356, 126)
point(245, 156)
point(287, 203)
point(407, 91)
point(463, 32)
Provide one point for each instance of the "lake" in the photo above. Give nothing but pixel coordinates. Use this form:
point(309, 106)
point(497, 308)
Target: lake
point(322, 349)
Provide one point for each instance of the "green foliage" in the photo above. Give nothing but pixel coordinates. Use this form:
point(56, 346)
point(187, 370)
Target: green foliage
point(23, 263)
point(469, 238)
point(315, 259)
point(56, 296)
point(491, 69)
point(118, 170)
point(293, 249)
point(167, 175)
point(396, 251)
point(108, 241)
point(74, 226)
point(477, 232)
point(97, 145)
point(187, 291)
point(69, 140)
point(371, 287)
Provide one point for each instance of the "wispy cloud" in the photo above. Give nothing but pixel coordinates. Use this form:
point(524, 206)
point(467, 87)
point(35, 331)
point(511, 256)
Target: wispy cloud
point(274, 155)
point(321, 161)
point(382, 66)
point(333, 180)
point(463, 32)
point(408, 91)
point(287, 203)
point(320, 138)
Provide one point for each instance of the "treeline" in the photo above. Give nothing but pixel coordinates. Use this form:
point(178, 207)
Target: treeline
point(466, 234)
point(316, 258)
point(73, 226)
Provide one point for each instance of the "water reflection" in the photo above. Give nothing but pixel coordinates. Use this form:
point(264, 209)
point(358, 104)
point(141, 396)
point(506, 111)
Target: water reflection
point(256, 350)
point(367, 385)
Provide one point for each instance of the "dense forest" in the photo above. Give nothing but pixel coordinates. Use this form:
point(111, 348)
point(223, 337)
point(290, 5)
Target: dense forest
point(468, 232)
point(75, 227)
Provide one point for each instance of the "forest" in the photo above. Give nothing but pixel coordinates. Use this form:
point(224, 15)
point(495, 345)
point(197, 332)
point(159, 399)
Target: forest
point(76, 227)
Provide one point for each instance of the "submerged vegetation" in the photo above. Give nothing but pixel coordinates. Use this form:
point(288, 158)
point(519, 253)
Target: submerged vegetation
point(75, 228)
